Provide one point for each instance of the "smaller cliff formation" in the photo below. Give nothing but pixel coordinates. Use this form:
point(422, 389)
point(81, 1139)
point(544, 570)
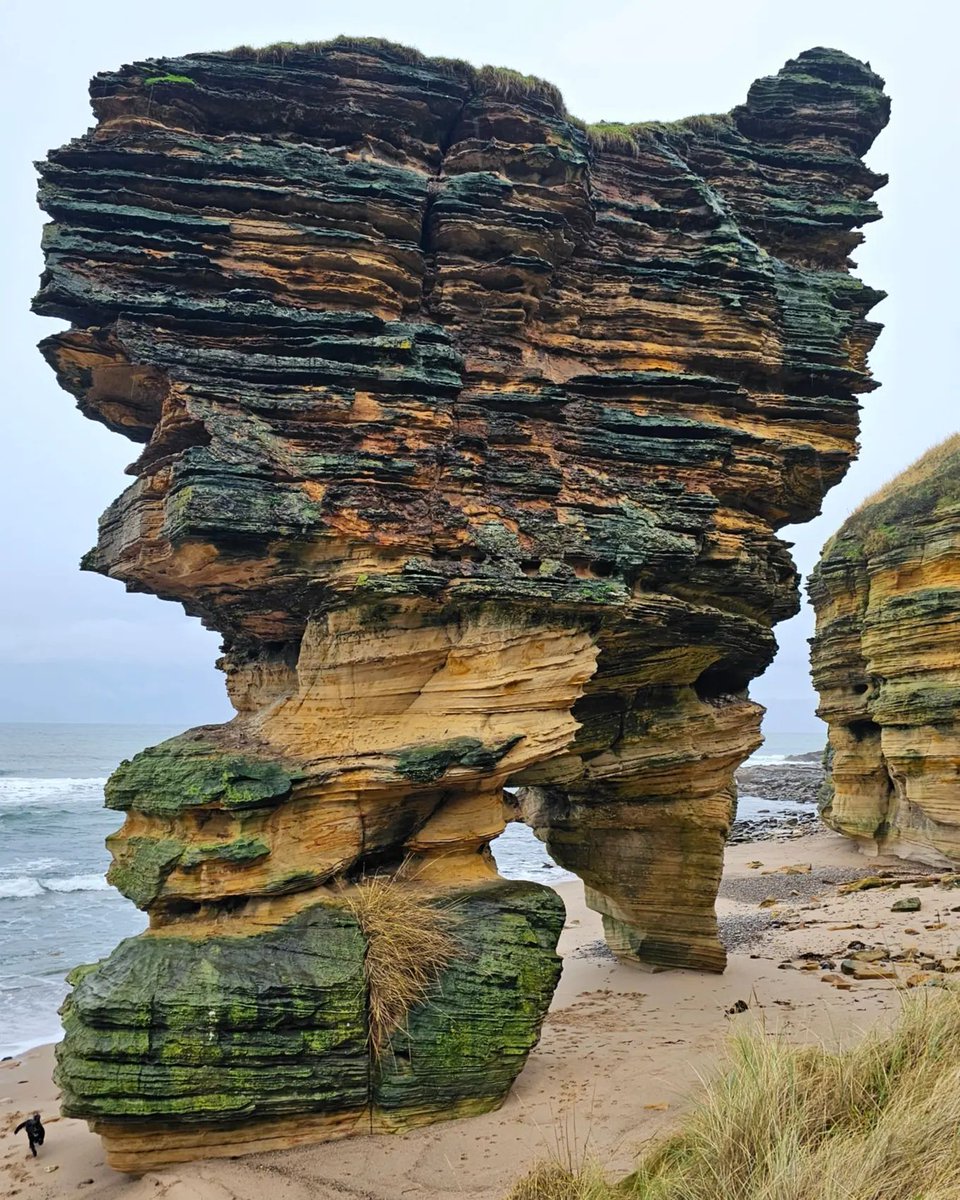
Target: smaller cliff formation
point(886, 662)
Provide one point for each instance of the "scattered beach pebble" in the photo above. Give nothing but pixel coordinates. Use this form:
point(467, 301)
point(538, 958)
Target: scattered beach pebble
point(907, 904)
point(868, 970)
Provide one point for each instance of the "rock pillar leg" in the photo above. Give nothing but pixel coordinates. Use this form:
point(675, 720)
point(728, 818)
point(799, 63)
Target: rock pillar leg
point(646, 830)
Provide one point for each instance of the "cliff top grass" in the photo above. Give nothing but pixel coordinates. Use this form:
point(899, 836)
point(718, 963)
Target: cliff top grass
point(502, 81)
point(618, 137)
point(886, 516)
point(602, 136)
point(785, 1122)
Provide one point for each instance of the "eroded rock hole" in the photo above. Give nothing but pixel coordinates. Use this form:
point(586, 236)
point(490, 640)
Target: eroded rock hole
point(722, 682)
point(864, 729)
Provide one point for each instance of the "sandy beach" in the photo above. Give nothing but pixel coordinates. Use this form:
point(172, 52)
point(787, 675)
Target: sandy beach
point(621, 1052)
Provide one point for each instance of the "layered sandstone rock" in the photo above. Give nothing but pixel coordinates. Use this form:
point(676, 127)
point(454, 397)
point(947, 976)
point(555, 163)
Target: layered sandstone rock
point(470, 429)
point(886, 662)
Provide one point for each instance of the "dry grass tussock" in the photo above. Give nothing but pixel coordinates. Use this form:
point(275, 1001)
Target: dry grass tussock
point(878, 1121)
point(562, 1181)
point(409, 942)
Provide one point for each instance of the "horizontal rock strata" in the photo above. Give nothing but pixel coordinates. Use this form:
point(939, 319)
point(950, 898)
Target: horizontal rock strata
point(470, 428)
point(176, 1041)
point(886, 662)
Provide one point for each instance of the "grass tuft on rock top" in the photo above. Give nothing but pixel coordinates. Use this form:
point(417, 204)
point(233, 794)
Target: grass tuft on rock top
point(611, 137)
point(410, 941)
point(877, 1121)
point(933, 479)
point(603, 136)
point(514, 85)
point(888, 517)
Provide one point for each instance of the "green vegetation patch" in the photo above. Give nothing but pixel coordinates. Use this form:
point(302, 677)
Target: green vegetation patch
point(468, 1041)
point(183, 773)
point(238, 851)
point(221, 1029)
point(426, 764)
point(140, 866)
point(626, 137)
point(218, 1029)
point(155, 79)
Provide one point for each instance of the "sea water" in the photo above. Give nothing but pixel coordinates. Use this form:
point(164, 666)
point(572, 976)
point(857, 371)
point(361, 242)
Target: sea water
point(56, 908)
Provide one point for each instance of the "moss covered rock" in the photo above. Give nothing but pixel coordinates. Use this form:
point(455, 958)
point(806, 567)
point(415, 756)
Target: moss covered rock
point(224, 1032)
point(185, 772)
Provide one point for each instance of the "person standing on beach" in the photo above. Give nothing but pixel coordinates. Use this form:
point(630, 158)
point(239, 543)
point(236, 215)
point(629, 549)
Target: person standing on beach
point(35, 1132)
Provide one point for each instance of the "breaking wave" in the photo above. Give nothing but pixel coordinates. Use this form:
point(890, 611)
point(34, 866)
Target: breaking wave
point(26, 887)
point(22, 791)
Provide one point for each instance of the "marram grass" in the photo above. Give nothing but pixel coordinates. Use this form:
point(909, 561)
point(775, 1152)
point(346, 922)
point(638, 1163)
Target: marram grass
point(878, 1121)
point(409, 942)
point(564, 1181)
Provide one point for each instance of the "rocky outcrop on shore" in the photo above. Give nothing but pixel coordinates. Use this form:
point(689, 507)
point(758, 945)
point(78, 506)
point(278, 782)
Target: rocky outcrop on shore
point(886, 662)
point(778, 799)
point(470, 428)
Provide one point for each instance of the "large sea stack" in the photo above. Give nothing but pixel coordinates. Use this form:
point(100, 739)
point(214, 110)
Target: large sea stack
point(470, 428)
point(886, 662)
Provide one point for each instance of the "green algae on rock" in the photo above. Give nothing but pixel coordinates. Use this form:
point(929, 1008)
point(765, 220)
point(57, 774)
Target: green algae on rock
point(202, 1044)
point(471, 429)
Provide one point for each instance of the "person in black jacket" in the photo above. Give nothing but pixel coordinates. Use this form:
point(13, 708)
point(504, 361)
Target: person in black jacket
point(35, 1132)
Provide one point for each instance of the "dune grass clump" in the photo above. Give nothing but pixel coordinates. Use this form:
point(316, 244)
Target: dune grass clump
point(409, 943)
point(878, 1121)
point(564, 1181)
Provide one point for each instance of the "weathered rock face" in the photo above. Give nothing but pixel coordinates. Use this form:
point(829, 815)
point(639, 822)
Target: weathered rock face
point(470, 429)
point(886, 662)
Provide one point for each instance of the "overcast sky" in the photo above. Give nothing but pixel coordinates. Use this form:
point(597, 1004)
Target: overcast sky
point(74, 646)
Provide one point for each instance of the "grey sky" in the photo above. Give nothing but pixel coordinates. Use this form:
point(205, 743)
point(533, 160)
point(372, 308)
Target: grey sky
point(73, 646)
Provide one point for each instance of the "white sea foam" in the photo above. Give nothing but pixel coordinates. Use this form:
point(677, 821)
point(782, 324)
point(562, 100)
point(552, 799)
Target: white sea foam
point(21, 791)
point(26, 887)
point(781, 760)
point(519, 854)
point(76, 883)
point(20, 887)
point(35, 866)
